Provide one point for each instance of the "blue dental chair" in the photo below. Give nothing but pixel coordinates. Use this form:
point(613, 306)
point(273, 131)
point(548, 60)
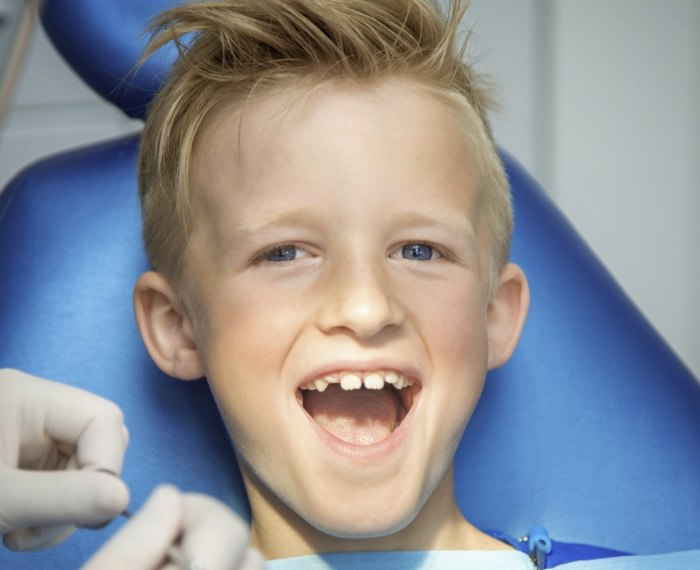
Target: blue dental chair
point(592, 429)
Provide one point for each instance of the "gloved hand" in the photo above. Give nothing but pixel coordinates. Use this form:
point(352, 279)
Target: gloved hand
point(204, 532)
point(54, 440)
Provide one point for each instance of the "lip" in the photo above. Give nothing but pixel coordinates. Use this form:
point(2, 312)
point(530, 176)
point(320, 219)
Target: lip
point(377, 451)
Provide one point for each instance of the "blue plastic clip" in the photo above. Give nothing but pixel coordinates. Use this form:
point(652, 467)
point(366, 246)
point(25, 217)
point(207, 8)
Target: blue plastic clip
point(540, 545)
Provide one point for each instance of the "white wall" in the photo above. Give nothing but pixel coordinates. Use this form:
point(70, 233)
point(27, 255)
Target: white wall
point(601, 102)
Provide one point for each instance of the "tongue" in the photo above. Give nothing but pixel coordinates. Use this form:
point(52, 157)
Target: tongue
point(360, 417)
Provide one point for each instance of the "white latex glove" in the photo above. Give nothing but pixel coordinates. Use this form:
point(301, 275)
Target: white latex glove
point(206, 533)
point(53, 439)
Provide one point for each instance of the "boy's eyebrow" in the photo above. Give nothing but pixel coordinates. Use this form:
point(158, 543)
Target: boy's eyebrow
point(268, 223)
point(451, 221)
point(276, 219)
point(457, 226)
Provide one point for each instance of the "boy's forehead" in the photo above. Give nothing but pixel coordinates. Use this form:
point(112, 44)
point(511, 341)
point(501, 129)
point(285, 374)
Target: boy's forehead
point(261, 118)
point(288, 136)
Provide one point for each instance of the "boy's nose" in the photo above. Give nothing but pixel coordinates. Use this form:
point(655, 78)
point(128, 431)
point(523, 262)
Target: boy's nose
point(359, 300)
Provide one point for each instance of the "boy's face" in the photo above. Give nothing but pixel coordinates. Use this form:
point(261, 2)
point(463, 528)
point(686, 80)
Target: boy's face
point(338, 238)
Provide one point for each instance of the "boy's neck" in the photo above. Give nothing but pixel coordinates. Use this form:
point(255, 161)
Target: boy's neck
point(278, 532)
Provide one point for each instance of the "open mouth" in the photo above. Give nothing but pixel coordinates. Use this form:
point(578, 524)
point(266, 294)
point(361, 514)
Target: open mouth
point(360, 408)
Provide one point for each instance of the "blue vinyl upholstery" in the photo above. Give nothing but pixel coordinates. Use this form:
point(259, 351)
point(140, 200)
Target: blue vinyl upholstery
point(593, 428)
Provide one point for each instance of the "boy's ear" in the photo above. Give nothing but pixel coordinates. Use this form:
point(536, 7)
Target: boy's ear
point(506, 314)
point(165, 327)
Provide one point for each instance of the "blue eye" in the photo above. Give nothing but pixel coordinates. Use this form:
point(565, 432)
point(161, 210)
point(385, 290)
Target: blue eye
point(281, 253)
point(417, 252)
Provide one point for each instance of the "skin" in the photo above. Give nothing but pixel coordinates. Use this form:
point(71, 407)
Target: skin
point(297, 263)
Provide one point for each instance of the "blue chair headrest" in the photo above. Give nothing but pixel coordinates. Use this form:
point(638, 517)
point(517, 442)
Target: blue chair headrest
point(103, 41)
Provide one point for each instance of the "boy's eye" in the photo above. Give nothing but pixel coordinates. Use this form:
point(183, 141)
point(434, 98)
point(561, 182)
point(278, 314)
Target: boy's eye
point(418, 252)
point(281, 253)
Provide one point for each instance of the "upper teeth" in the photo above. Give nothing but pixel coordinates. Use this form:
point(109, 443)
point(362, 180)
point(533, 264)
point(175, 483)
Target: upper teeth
point(350, 382)
point(355, 381)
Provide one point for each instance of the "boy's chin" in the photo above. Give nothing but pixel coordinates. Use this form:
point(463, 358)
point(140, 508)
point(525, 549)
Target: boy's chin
point(362, 530)
point(361, 521)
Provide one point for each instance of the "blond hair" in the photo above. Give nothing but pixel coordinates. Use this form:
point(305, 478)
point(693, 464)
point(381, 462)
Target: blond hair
point(230, 50)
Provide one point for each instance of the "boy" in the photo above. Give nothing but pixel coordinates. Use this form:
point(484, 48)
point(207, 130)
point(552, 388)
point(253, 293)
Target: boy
point(328, 223)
